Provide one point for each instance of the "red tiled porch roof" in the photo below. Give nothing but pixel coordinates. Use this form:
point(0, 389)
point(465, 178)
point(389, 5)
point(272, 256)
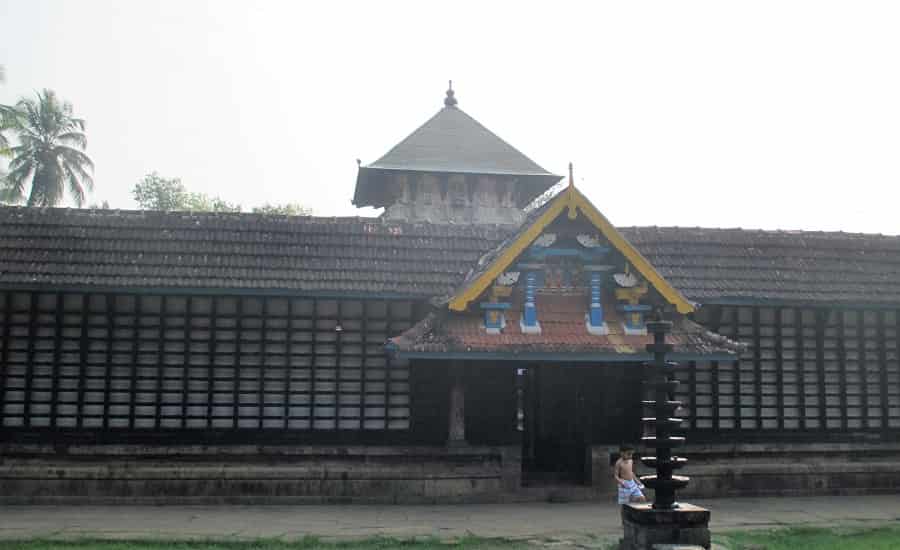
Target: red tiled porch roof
point(563, 330)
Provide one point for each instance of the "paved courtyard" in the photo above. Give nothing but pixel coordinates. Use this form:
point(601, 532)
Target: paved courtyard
point(543, 521)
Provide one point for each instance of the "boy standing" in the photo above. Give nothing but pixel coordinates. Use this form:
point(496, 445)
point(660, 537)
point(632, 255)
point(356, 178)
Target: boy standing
point(629, 485)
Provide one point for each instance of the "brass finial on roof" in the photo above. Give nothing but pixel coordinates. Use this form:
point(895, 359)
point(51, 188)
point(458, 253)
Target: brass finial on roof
point(450, 100)
point(571, 176)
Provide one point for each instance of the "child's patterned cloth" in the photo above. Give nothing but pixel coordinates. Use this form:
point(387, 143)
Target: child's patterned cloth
point(629, 490)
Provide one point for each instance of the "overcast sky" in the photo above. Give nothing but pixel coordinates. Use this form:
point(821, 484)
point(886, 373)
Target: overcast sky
point(773, 115)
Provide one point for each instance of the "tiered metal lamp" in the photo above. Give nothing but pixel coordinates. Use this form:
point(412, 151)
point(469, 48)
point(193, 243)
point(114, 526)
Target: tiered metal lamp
point(660, 427)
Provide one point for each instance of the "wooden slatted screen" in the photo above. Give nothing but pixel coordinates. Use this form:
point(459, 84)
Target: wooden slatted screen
point(157, 362)
point(805, 370)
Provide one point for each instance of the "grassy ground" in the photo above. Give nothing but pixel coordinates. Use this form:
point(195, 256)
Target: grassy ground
point(883, 538)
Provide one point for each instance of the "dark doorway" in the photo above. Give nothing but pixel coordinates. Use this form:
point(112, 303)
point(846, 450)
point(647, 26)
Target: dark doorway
point(555, 424)
point(566, 408)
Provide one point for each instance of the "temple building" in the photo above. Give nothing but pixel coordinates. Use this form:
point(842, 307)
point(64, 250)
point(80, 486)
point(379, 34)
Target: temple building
point(483, 339)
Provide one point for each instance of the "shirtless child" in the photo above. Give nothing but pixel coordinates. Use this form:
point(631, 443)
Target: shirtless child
point(629, 485)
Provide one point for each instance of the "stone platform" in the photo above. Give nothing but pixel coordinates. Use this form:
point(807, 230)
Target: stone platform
point(647, 529)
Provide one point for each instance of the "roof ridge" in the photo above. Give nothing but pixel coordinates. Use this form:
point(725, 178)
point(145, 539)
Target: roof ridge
point(758, 230)
point(124, 212)
point(137, 212)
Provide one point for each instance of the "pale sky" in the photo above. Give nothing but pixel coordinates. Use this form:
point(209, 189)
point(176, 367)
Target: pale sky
point(764, 114)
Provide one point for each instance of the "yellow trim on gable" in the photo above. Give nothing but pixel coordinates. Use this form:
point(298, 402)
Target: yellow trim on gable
point(461, 301)
point(670, 293)
point(572, 200)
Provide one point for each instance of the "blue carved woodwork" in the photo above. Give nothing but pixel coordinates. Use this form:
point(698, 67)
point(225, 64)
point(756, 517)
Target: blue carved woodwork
point(539, 253)
point(596, 276)
point(596, 302)
point(494, 318)
point(634, 315)
point(529, 313)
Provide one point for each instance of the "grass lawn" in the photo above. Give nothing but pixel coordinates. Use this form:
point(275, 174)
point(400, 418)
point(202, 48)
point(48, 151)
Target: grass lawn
point(882, 538)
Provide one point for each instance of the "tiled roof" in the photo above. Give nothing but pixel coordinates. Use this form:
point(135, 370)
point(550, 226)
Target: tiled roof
point(791, 266)
point(453, 142)
point(133, 249)
point(110, 248)
point(563, 330)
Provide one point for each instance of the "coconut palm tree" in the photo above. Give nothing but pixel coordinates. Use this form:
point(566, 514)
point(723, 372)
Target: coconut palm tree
point(4, 145)
point(7, 121)
point(7, 116)
point(49, 153)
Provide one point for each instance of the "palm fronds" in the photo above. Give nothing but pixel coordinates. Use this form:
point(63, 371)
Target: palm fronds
point(50, 152)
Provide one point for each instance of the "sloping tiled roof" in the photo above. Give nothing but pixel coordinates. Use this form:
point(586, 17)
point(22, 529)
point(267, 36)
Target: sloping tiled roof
point(111, 248)
point(132, 249)
point(453, 142)
point(791, 266)
point(563, 330)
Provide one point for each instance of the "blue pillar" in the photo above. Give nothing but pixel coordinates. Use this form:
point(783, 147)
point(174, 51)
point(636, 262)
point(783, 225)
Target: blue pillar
point(529, 323)
point(594, 320)
point(530, 307)
point(596, 304)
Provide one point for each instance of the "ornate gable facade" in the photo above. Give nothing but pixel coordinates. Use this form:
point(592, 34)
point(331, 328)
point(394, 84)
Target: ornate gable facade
point(567, 286)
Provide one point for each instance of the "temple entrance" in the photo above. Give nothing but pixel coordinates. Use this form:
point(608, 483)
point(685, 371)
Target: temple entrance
point(555, 425)
point(566, 408)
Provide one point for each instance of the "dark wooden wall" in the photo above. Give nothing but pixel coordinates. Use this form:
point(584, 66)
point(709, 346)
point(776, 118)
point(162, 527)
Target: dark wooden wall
point(430, 383)
point(126, 363)
point(491, 402)
point(246, 367)
point(807, 373)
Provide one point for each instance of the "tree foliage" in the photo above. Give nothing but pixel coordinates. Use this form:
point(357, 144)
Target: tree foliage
point(49, 154)
point(7, 117)
point(5, 111)
point(287, 209)
point(155, 192)
point(6, 194)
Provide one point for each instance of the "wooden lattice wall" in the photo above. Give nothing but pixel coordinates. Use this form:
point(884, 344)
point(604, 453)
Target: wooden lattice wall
point(806, 372)
point(139, 363)
point(151, 362)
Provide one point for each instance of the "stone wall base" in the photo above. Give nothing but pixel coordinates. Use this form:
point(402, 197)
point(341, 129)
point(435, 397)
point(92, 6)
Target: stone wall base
point(256, 474)
point(776, 469)
point(791, 469)
point(649, 529)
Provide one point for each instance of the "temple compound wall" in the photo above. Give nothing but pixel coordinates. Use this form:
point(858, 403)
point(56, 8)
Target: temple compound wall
point(230, 397)
point(173, 397)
